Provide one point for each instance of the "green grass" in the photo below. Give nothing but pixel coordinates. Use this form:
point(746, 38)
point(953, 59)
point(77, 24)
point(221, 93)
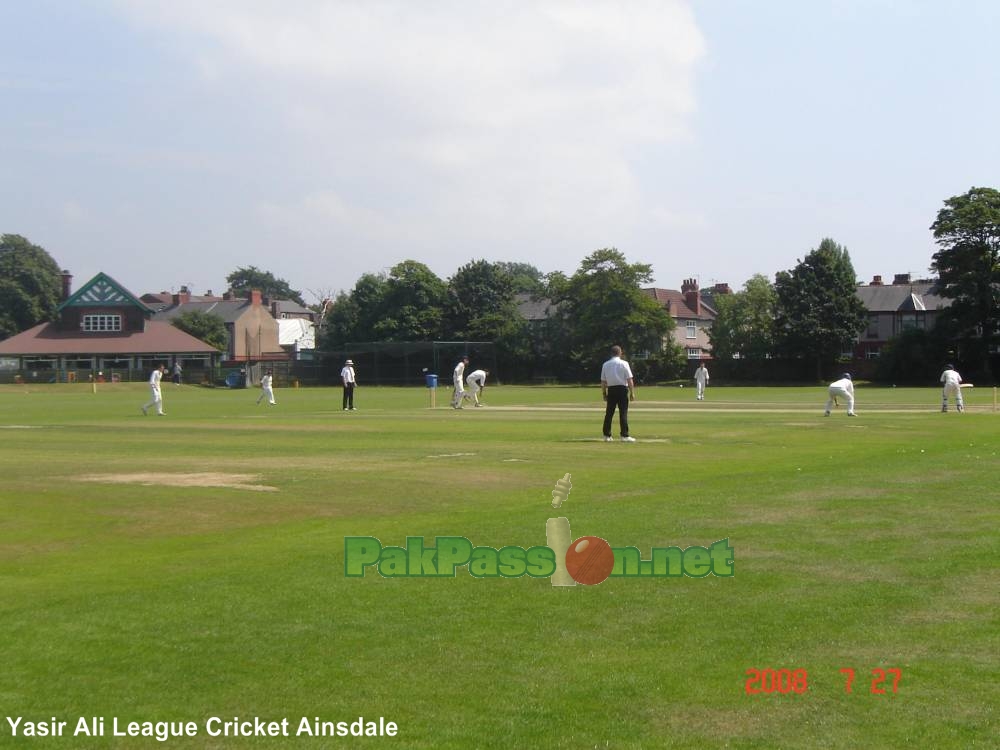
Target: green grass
point(865, 543)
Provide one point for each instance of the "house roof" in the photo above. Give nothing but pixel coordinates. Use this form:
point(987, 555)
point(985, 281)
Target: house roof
point(534, 308)
point(158, 338)
point(290, 307)
point(297, 330)
point(677, 306)
point(159, 300)
point(230, 310)
point(708, 296)
point(901, 297)
point(103, 291)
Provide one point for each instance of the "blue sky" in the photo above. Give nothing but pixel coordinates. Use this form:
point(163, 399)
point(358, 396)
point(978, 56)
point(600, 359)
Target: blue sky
point(168, 143)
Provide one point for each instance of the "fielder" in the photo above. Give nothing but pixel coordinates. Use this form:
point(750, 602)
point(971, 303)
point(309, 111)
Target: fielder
point(154, 388)
point(952, 387)
point(477, 382)
point(700, 381)
point(843, 388)
point(266, 389)
point(457, 378)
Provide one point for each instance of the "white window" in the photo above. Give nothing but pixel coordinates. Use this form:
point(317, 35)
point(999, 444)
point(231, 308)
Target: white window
point(692, 329)
point(694, 353)
point(98, 323)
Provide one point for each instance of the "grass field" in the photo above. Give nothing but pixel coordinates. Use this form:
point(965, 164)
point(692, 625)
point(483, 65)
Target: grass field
point(192, 566)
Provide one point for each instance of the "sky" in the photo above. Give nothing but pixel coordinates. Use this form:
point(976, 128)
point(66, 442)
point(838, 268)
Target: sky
point(170, 142)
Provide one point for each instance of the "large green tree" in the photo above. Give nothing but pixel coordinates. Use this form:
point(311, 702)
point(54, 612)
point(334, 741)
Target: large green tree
point(742, 334)
point(206, 326)
point(480, 298)
point(243, 280)
point(30, 285)
point(481, 307)
point(819, 314)
point(525, 277)
point(967, 230)
point(338, 324)
point(353, 316)
point(413, 305)
point(603, 304)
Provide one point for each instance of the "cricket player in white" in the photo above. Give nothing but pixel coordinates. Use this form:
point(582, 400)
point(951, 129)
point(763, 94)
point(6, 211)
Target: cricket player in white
point(477, 382)
point(154, 387)
point(266, 389)
point(952, 387)
point(700, 381)
point(457, 379)
point(843, 388)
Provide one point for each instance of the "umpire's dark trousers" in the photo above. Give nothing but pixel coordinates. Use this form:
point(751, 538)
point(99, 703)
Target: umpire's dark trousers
point(617, 398)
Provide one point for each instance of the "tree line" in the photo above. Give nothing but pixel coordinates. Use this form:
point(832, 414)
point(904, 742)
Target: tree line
point(600, 304)
point(795, 328)
point(810, 314)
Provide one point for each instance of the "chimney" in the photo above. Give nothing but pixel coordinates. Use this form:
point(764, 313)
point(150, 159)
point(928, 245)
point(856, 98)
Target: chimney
point(692, 297)
point(67, 285)
point(208, 293)
point(901, 279)
point(876, 281)
point(722, 288)
point(255, 297)
point(182, 297)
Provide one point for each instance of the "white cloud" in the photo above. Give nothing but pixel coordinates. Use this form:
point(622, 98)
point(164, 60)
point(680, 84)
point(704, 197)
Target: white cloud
point(453, 122)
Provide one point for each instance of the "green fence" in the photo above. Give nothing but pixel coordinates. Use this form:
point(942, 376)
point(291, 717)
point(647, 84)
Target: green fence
point(398, 363)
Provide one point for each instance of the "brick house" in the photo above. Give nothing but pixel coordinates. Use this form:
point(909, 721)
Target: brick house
point(252, 330)
point(102, 331)
point(693, 311)
point(893, 308)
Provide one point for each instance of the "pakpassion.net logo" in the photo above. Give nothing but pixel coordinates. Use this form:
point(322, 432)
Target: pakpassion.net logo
point(588, 560)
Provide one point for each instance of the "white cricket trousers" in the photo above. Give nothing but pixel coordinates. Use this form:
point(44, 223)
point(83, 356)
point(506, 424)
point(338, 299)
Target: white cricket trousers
point(955, 391)
point(836, 392)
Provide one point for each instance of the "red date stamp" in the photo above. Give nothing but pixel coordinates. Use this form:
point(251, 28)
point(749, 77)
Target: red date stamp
point(785, 681)
point(782, 681)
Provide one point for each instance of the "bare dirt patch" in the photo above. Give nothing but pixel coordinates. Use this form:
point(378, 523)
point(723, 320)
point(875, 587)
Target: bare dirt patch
point(198, 479)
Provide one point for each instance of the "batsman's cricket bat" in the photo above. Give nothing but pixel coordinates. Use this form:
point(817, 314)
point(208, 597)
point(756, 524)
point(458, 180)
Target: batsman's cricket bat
point(966, 385)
